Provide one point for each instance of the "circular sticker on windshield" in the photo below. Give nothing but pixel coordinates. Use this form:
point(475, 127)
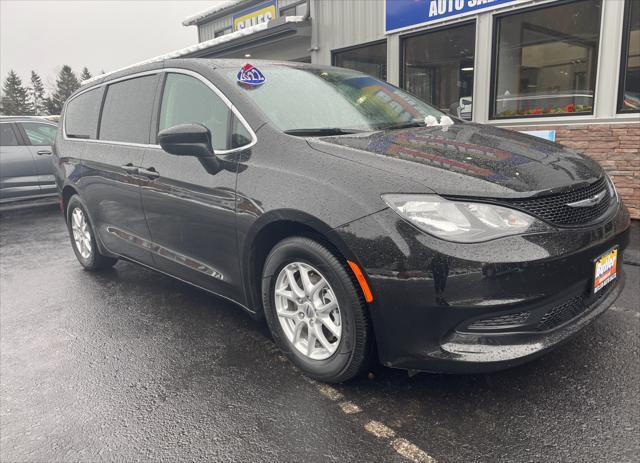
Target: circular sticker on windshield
point(251, 76)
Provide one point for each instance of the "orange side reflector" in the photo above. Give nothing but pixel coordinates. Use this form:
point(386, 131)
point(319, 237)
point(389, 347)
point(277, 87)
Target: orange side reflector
point(368, 296)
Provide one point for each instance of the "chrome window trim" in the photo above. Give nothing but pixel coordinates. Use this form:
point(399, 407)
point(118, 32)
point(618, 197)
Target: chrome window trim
point(35, 122)
point(204, 80)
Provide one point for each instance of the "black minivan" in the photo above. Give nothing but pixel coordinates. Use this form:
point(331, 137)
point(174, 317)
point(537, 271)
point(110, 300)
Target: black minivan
point(360, 221)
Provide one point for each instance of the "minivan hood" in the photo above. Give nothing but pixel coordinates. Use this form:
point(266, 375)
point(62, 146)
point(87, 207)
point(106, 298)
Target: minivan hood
point(468, 159)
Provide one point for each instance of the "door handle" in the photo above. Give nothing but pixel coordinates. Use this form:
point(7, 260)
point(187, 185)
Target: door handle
point(130, 168)
point(44, 153)
point(151, 172)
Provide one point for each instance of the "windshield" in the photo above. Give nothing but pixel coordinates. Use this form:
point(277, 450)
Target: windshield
point(307, 99)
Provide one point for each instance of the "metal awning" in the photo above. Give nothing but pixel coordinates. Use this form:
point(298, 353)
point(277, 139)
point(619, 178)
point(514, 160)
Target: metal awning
point(281, 29)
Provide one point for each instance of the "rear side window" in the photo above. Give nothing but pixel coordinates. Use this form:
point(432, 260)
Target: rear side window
point(81, 115)
point(126, 114)
point(39, 134)
point(7, 136)
point(187, 100)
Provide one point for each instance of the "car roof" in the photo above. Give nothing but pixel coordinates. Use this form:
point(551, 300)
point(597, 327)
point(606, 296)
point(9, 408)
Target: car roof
point(211, 63)
point(238, 63)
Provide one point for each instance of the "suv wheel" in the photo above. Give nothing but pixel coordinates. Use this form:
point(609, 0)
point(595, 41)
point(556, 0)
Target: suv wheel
point(315, 311)
point(83, 239)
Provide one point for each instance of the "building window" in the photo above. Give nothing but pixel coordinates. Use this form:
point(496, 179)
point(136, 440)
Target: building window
point(222, 32)
point(546, 60)
point(370, 59)
point(629, 99)
point(438, 68)
point(299, 9)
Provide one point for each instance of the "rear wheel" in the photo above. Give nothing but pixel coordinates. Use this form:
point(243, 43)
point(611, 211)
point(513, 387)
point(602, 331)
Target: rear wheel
point(315, 311)
point(83, 238)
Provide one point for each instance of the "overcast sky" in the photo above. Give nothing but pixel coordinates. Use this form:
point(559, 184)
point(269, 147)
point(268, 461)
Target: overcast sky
point(45, 34)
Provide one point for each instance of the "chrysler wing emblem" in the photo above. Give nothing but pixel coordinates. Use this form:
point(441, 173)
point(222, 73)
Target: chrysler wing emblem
point(592, 201)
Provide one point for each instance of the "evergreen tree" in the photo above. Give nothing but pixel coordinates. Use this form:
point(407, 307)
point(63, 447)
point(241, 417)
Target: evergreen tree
point(15, 100)
point(66, 84)
point(38, 100)
point(85, 74)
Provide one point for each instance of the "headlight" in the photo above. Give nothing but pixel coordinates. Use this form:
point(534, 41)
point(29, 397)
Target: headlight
point(462, 221)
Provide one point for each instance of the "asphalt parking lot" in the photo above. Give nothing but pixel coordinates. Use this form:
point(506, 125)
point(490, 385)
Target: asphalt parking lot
point(131, 365)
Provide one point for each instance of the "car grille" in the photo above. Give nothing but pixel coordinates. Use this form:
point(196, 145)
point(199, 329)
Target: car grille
point(568, 310)
point(539, 319)
point(554, 209)
point(500, 322)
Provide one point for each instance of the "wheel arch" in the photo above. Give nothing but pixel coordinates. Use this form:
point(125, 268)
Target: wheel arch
point(272, 228)
point(67, 192)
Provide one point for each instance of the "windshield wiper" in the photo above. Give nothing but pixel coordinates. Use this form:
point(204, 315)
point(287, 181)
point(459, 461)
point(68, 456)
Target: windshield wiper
point(402, 125)
point(323, 131)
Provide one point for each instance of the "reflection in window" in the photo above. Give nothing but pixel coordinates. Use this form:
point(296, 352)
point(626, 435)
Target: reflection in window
point(339, 98)
point(370, 59)
point(547, 60)
point(630, 79)
point(438, 67)
point(81, 115)
point(187, 100)
point(40, 134)
point(126, 113)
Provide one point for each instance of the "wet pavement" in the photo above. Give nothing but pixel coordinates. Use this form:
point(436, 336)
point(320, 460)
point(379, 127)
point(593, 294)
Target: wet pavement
point(131, 365)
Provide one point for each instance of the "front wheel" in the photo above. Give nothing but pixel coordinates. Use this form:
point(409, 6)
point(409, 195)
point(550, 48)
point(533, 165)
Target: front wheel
point(83, 239)
point(315, 311)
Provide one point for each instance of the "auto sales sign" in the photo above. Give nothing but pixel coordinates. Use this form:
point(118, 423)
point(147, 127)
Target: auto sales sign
point(258, 14)
point(401, 14)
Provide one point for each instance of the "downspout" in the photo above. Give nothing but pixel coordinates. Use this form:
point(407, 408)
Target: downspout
point(314, 29)
point(307, 15)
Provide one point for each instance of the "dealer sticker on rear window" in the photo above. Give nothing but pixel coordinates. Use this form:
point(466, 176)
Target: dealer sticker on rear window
point(606, 270)
point(251, 76)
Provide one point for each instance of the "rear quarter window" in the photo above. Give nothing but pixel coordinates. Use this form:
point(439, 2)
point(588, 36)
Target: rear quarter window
point(81, 115)
point(126, 114)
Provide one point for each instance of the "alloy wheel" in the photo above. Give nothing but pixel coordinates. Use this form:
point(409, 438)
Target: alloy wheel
point(81, 233)
point(308, 311)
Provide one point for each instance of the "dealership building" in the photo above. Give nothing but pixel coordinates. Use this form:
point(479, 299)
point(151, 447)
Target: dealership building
point(566, 70)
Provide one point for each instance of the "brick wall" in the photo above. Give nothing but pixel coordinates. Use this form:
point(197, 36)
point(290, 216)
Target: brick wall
point(615, 146)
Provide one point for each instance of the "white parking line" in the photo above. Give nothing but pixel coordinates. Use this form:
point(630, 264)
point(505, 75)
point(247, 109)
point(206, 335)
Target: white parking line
point(329, 392)
point(379, 430)
point(350, 408)
point(411, 452)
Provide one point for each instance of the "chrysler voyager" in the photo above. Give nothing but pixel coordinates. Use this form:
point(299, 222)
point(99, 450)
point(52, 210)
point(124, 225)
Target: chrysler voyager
point(361, 222)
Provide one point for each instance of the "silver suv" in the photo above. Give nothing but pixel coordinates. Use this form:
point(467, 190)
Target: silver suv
point(26, 167)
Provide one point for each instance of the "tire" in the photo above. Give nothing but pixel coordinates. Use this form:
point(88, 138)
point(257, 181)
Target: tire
point(87, 253)
point(354, 346)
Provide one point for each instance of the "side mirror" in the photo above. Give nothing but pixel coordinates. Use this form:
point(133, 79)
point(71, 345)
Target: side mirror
point(187, 140)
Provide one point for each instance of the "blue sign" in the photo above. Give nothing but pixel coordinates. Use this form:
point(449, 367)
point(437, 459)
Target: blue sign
point(250, 75)
point(407, 13)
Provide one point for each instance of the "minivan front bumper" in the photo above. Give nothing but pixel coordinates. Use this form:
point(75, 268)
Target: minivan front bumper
point(466, 308)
